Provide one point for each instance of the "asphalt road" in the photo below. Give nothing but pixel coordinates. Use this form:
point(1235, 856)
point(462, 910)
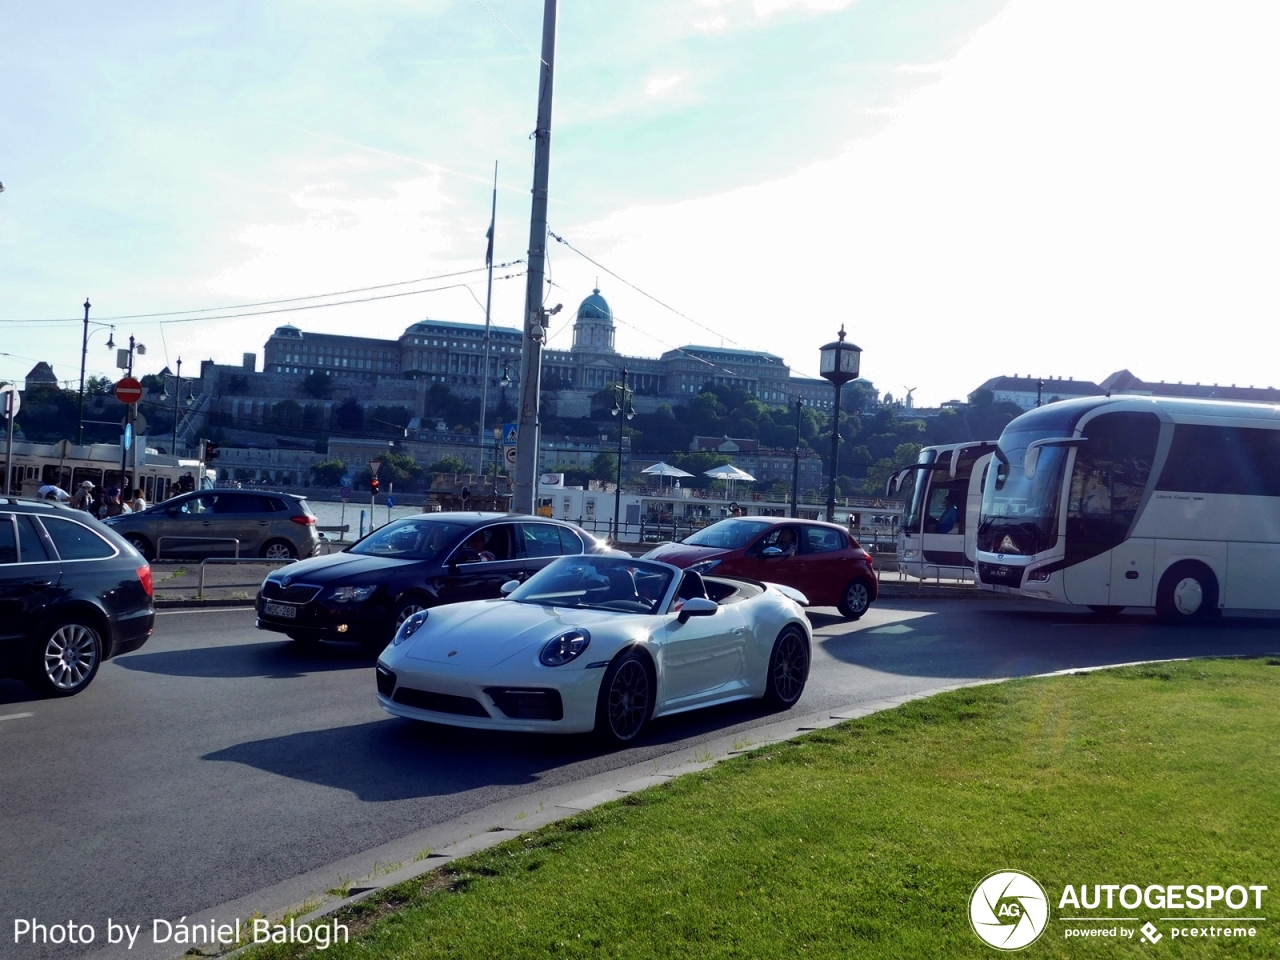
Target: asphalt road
point(218, 760)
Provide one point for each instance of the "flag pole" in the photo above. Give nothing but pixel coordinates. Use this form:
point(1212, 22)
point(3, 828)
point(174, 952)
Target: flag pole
point(488, 301)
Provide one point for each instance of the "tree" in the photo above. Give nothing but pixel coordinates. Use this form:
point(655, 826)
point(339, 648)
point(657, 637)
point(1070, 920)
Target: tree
point(328, 473)
point(604, 466)
point(316, 385)
point(449, 464)
point(287, 414)
point(99, 386)
point(348, 416)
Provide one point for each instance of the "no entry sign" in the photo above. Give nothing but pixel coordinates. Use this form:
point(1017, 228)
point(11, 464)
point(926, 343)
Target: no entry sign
point(128, 390)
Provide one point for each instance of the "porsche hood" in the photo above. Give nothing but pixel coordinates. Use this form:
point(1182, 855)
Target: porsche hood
point(488, 632)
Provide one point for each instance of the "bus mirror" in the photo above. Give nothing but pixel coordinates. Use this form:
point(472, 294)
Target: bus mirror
point(1029, 462)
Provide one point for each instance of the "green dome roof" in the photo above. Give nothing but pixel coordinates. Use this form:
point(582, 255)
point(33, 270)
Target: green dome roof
point(595, 307)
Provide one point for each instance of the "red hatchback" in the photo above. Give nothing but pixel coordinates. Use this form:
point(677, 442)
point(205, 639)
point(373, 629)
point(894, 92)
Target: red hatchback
point(820, 560)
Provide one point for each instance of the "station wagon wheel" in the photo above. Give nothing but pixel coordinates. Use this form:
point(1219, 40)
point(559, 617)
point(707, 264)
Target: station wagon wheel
point(788, 669)
point(67, 660)
point(625, 701)
point(855, 599)
point(279, 550)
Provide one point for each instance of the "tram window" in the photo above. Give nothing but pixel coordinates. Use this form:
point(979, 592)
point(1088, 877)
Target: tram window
point(148, 488)
point(57, 476)
point(81, 474)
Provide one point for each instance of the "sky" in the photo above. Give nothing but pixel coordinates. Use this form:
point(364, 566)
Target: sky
point(971, 188)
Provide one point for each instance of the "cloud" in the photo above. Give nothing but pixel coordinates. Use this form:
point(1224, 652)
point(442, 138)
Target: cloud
point(659, 85)
point(1088, 186)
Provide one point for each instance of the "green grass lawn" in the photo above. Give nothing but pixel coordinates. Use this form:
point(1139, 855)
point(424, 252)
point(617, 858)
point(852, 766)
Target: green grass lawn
point(865, 840)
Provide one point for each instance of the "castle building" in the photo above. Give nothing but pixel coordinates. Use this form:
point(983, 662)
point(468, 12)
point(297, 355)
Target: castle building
point(442, 351)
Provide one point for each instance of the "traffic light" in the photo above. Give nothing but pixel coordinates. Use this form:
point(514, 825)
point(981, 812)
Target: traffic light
point(210, 451)
point(373, 486)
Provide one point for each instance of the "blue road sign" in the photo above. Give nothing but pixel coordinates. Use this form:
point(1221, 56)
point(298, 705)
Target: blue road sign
point(509, 432)
point(391, 501)
point(344, 492)
point(346, 480)
point(128, 435)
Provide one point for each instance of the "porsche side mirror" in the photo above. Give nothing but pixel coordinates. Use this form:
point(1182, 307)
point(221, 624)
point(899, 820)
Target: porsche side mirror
point(507, 587)
point(698, 607)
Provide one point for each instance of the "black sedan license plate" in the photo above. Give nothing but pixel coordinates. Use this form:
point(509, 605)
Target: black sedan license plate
point(280, 610)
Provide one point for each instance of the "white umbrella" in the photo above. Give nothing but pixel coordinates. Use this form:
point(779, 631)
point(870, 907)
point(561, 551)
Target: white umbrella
point(727, 472)
point(665, 470)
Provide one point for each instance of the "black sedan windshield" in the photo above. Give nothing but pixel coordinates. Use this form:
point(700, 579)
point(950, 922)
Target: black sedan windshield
point(411, 539)
point(604, 583)
point(728, 534)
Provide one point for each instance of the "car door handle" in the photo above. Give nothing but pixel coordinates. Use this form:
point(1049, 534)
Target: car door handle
point(35, 586)
point(206, 523)
point(739, 631)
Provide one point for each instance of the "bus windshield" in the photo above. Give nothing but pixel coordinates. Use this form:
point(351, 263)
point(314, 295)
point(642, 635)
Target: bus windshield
point(1020, 515)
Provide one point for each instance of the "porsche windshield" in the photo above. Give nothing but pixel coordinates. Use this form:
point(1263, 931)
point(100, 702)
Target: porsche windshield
point(728, 534)
point(411, 539)
point(1020, 514)
point(602, 583)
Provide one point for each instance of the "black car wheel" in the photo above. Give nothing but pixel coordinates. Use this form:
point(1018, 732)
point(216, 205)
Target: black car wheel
point(625, 700)
point(279, 550)
point(67, 659)
point(141, 544)
point(788, 669)
point(855, 599)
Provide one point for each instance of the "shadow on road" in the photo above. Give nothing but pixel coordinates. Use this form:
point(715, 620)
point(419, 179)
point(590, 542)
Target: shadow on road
point(1002, 639)
point(15, 691)
point(277, 659)
point(397, 759)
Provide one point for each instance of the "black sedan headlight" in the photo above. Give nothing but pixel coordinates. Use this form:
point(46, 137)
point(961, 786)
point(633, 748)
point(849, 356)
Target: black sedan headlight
point(411, 625)
point(564, 648)
point(352, 594)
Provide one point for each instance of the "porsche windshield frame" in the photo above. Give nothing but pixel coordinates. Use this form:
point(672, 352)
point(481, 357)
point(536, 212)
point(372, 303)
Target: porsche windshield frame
point(586, 582)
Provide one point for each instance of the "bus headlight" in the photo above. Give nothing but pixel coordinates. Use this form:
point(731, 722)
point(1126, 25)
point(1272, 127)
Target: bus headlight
point(1039, 576)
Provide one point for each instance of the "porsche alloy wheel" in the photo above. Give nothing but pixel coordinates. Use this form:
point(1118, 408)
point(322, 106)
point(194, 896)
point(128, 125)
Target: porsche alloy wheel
point(626, 699)
point(788, 669)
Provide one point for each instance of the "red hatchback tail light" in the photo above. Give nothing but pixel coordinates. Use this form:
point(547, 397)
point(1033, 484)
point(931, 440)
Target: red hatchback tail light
point(144, 574)
point(306, 521)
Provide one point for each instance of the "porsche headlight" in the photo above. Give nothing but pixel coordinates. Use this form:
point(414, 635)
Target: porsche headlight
point(706, 566)
point(566, 647)
point(352, 594)
point(410, 626)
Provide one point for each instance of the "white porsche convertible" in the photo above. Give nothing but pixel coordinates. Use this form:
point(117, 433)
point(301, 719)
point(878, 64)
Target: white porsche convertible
point(601, 643)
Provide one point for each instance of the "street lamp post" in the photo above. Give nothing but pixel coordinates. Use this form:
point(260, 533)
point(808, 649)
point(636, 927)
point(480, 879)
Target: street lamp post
point(839, 363)
point(177, 393)
point(622, 407)
point(84, 352)
point(795, 466)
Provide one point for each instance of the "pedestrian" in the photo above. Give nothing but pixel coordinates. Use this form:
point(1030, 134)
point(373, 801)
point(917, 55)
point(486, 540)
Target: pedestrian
point(139, 502)
point(111, 505)
point(83, 499)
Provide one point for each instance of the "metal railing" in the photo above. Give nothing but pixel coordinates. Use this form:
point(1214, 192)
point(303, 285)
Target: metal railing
point(208, 560)
point(233, 540)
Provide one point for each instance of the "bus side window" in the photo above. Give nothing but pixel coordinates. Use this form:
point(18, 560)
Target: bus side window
point(1108, 481)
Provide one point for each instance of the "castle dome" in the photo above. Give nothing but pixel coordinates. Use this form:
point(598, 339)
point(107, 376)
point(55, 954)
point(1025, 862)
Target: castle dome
point(595, 307)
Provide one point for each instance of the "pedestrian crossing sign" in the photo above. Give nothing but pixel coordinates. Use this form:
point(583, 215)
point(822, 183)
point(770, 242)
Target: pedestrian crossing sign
point(509, 431)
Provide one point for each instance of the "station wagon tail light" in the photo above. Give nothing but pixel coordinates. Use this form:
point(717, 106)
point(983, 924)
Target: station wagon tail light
point(305, 519)
point(144, 574)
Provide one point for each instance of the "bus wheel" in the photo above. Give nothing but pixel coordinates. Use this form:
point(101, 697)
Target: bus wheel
point(1188, 593)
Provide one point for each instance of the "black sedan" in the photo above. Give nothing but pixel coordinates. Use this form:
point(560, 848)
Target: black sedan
point(365, 592)
point(73, 593)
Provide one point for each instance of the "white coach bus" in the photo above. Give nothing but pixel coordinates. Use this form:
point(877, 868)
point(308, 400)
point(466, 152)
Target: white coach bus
point(1137, 502)
point(942, 494)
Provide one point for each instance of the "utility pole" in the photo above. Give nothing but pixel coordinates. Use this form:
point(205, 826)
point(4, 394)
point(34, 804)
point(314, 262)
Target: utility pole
point(84, 349)
point(795, 467)
point(488, 302)
point(535, 332)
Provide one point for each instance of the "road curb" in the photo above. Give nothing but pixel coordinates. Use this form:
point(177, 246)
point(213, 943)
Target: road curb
point(193, 604)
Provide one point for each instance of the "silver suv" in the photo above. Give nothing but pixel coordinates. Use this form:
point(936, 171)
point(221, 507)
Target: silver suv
point(217, 523)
